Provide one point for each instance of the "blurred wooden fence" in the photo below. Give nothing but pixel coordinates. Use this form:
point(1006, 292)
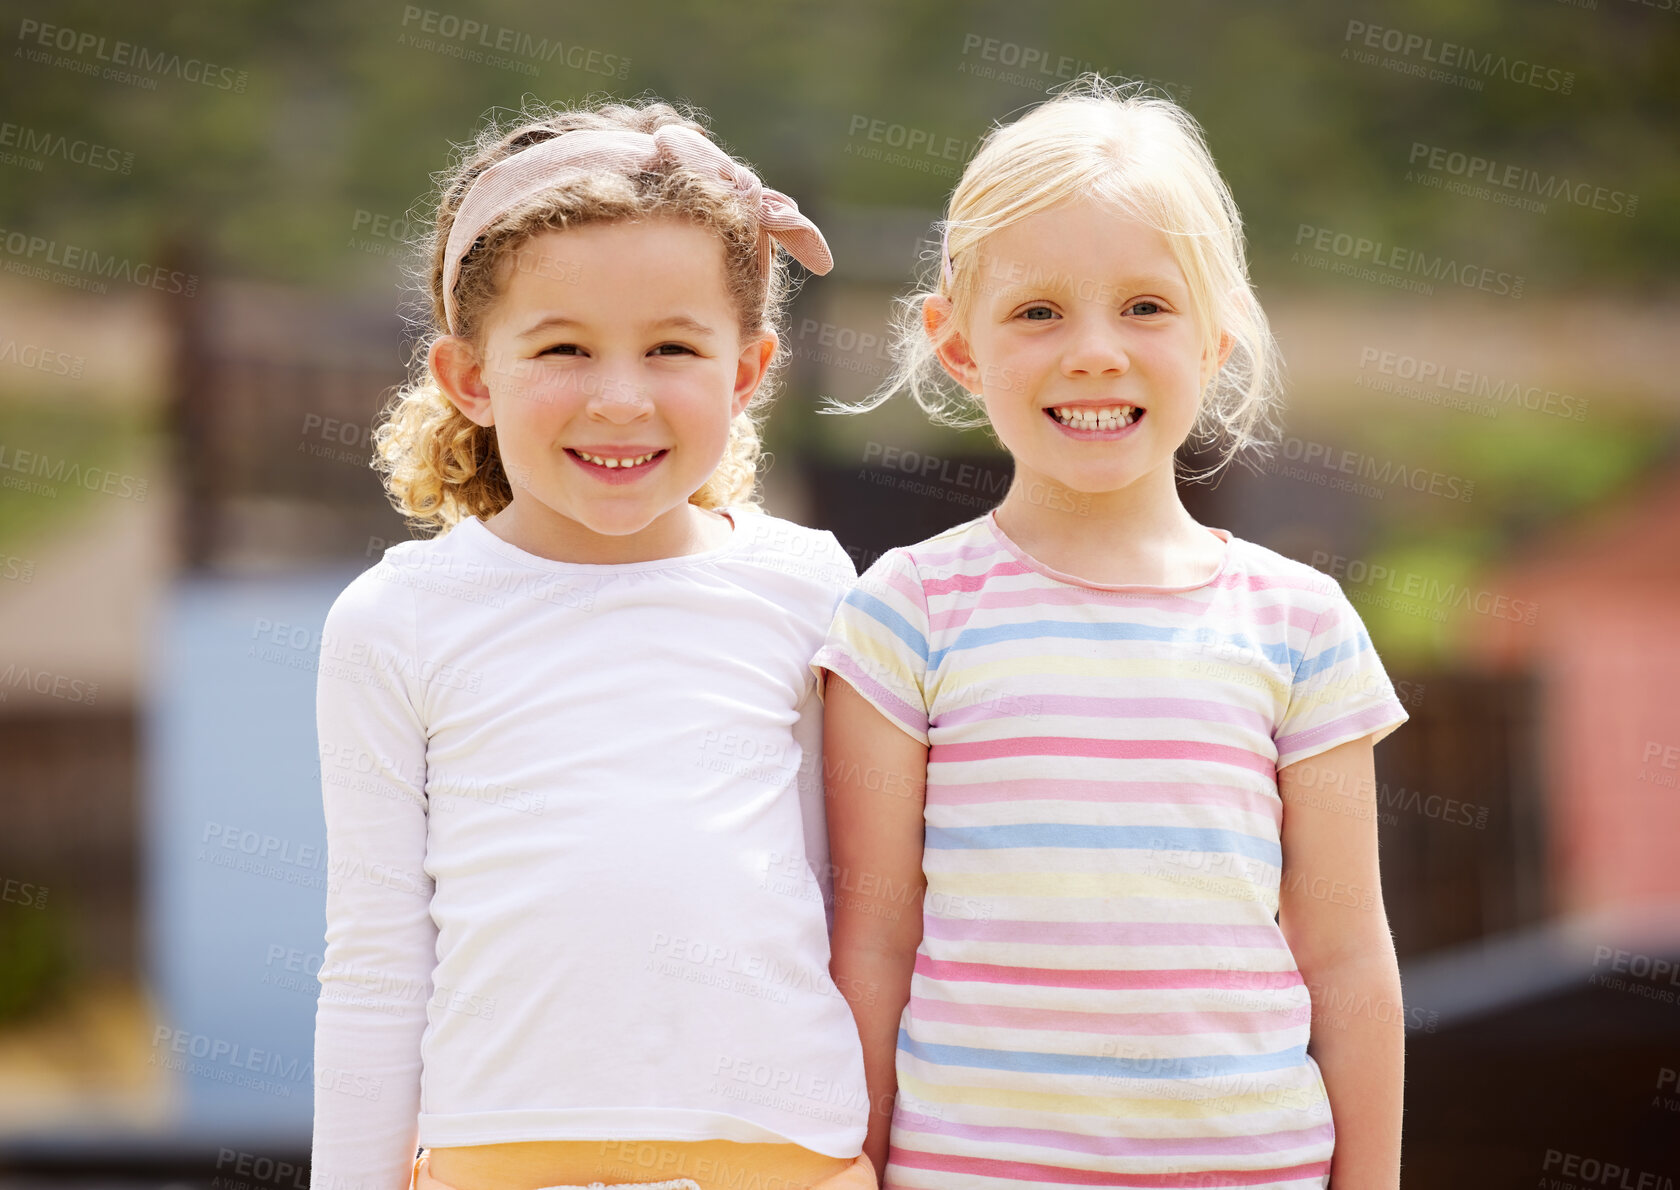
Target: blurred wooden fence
point(275, 396)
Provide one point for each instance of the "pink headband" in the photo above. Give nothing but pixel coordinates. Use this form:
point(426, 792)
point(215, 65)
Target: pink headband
point(530, 171)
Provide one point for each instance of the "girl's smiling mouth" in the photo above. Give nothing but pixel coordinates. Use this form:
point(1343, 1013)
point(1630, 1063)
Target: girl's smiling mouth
point(1098, 422)
point(617, 465)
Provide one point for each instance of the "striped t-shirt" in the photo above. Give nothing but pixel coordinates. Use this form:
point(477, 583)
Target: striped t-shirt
point(1102, 995)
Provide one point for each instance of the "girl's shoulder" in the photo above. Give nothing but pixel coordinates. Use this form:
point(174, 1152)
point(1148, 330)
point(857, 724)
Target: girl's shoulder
point(792, 551)
point(1260, 568)
point(384, 593)
point(963, 548)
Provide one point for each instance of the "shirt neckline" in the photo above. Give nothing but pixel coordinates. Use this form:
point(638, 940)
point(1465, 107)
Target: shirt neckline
point(486, 537)
point(1003, 539)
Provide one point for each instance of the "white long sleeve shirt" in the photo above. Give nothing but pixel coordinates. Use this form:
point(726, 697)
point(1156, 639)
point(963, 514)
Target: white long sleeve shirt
point(577, 861)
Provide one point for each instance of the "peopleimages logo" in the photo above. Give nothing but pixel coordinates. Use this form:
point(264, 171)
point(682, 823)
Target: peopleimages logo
point(38, 253)
point(1473, 168)
point(74, 43)
point(464, 37)
point(1394, 261)
point(1449, 55)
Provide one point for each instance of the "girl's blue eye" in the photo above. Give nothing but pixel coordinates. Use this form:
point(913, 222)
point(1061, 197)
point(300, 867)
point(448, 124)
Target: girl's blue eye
point(562, 348)
point(675, 346)
point(1147, 302)
point(1031, 311)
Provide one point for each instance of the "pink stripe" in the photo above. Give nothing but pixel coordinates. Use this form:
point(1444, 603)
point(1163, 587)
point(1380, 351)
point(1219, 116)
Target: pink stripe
point(1119, 1146)
point(1176, 599)
point(1104, 979)
point(1104, 933)
point(973, 582)
point(1031, 1171)
point(1046, 789)
point(1199, 709)
point(1056, 745)
point(995, 599)
point(977, 549)
point(906, 585)
point(1164, 1024)
point(831, 658)
point(1370, 718)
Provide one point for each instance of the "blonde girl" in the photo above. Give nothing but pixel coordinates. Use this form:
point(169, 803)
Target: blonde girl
point(1142, 847)
point(575, 922)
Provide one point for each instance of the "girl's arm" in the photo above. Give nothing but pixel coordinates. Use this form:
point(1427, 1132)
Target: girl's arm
point(1331, 913)
point(876, 777)
point(381, 941)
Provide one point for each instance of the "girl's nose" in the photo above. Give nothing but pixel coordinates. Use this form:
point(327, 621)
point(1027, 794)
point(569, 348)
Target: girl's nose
point(1095, 350)
point(618, 399)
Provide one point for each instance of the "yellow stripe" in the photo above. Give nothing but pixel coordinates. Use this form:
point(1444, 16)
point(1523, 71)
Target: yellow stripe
point(1100, 1105)
point(873, 653)
point(1186, 887)
point(989, 673)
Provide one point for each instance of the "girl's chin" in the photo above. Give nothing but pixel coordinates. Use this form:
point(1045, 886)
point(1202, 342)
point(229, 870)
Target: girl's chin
point(1080, 485)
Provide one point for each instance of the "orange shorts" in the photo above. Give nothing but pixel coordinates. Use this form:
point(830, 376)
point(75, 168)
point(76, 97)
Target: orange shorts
point(859, 1175)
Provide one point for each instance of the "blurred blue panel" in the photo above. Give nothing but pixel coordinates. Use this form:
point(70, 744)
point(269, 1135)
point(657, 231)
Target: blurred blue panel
point(234, 852)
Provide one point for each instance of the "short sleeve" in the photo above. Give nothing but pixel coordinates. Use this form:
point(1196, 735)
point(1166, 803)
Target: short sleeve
point(1340, 690)
point(878, 642)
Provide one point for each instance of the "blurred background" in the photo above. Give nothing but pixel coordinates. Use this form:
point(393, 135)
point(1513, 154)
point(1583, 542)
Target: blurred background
point(1464, 221)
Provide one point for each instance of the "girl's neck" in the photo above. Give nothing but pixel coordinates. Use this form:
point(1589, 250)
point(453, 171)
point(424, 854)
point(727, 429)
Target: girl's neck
point(687, 529)
point(1136, 535)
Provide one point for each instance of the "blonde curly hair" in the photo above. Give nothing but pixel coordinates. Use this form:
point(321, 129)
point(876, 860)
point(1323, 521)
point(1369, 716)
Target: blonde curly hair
point(439, 466)
point(1146, 156)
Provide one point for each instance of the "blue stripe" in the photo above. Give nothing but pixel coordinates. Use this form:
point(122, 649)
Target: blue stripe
point(890, 620)
point(1071, 834)
point(1029, 1062)
point(1342, 650)
point(975, 638)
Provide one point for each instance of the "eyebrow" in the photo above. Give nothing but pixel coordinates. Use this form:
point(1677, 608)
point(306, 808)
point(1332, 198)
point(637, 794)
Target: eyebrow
point(1049, 280)
point(682, 322)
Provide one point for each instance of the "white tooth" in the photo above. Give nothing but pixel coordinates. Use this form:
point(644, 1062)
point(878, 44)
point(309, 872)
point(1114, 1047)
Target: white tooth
point(612, 463)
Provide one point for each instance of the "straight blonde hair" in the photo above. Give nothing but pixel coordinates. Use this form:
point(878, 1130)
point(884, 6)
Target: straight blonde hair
point(1146, 156)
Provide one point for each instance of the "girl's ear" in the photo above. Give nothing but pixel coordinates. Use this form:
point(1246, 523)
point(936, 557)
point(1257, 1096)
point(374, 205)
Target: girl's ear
point(750, 368)
point(460, 374)
point(1226, 342)
point(953, 353)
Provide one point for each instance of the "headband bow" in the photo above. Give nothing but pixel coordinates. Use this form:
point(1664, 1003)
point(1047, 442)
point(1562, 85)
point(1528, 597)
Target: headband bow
point(530, 171)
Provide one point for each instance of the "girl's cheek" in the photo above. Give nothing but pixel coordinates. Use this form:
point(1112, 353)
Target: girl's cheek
point(537, 395)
